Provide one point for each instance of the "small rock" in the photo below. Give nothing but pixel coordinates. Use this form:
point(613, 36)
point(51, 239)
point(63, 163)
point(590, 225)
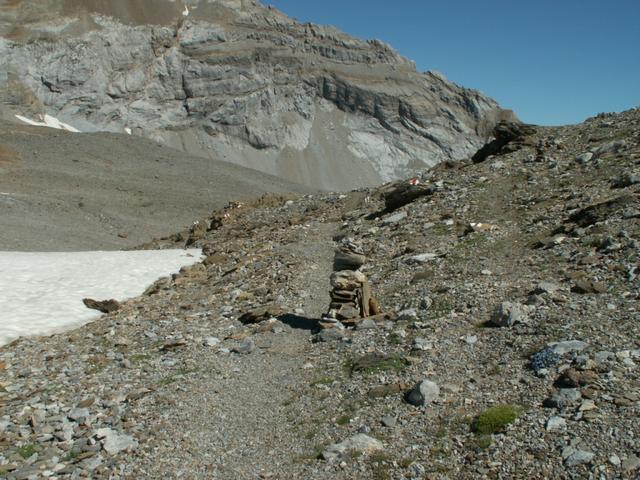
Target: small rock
point(610, 147)
point(572, 378)
point(389, 421)
point(509, 313)
point(604, 357)
point(423, 393)
point(589, 286)
point(247, 346)
point(104, 306)
point(359, 443)
point(615, 460)
point(114, 442)
point(573, 457)
point(563, 398)
point(556, 424)
point(78, 414)
point(567, 346)
point(408, 314)
point(543, 360)
point(421, 258)
point(421, 344)
point(546, 287)
point(367, 324)
point(394, 218)
point(631, 464)
point(329, 335)
point(584, 158)
point(587, 405)
point(211, 342)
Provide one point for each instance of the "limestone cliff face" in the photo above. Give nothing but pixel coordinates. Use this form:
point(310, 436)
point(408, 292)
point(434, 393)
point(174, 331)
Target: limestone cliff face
point(237, 81)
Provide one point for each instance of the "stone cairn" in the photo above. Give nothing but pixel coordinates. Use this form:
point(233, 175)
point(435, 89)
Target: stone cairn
point(351, 298)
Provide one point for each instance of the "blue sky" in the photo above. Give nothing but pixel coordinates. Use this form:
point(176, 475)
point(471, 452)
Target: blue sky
point(552, 61)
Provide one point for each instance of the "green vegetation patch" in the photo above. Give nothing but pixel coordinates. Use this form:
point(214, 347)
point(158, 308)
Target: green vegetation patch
point(344, 420)
point(26, 451)
point(496, 418)
point(375, 362)
point(322, 381)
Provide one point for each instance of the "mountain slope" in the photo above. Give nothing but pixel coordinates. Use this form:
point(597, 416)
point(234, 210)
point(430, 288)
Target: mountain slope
point(176, 385)
point(240, 82)
point(80, 191)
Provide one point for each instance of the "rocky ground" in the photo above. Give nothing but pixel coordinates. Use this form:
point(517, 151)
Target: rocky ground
point(509, 349)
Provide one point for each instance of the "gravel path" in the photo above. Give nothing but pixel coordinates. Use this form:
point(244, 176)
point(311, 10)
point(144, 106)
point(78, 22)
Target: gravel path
point(234, 419)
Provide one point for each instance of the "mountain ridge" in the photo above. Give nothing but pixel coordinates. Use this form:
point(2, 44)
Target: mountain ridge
point(241, 82)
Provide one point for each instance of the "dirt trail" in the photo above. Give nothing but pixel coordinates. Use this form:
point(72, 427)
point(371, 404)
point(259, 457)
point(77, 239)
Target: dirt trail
point(235, 418)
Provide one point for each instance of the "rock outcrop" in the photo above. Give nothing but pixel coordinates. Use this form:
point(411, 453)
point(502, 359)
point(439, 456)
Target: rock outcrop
point(237, 81)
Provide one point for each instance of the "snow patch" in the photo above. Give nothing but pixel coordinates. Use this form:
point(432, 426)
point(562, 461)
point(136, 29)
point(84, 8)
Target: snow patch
point(48, 121)
point(42, 292)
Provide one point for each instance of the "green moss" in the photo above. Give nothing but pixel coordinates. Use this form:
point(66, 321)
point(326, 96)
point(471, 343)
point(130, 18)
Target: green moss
point(177, 376)
point(27, 450)
point(406, 462)
point(441, 307)
point(496, 418)
point(70, 456)
point(375, 363)
point(322, 381)
point(140, 357)
point(343, 420)
point(483, 442)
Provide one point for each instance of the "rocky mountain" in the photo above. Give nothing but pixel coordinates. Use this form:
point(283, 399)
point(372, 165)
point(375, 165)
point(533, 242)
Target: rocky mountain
point(505, 341)
point(237, 81)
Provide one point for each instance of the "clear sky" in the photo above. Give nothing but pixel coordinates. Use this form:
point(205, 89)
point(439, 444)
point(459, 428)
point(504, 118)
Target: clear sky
point(552, 61)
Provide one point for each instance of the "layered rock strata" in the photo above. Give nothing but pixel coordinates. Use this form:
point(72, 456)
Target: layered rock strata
point(236, 81)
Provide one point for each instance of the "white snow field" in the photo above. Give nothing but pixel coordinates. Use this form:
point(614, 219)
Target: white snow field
point(41, 293)
point(48, 121)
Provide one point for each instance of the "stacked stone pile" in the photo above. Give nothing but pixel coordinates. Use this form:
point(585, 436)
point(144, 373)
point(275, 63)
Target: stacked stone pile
point(351, 298)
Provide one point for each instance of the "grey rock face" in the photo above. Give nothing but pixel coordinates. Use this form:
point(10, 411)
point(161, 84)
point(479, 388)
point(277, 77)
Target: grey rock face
point(238, 82)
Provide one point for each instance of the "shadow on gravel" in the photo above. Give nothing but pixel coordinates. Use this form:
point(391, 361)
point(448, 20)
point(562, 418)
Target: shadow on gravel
point(302, 323)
